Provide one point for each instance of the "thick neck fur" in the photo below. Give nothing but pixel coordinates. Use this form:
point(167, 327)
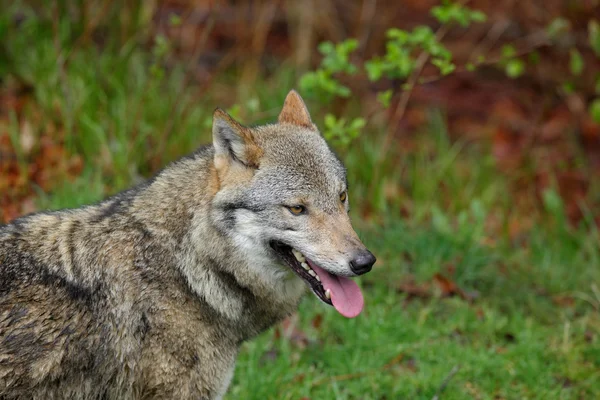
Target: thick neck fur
point(244, 288)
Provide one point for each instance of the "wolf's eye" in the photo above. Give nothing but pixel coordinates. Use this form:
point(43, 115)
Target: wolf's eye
point(297, 210)
point(343, 196)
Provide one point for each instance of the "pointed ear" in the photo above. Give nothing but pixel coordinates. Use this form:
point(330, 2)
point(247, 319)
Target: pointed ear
point(295, 112)
point(234, 142)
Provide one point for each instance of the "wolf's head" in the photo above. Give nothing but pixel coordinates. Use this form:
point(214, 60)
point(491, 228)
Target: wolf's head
point(283, 197)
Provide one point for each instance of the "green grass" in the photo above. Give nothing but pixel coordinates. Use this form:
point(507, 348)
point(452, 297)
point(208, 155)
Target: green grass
point(532, 331)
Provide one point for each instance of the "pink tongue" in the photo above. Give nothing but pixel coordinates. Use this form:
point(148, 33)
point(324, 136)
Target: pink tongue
point(345, 293)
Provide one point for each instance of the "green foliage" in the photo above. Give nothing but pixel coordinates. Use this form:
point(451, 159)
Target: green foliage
point(117, 107)
point(513, 67)
point(508, 51)
point(340, 132)
point(594, 110)
point(594, 36)
point(568, 87)
point(322, 83)
point(554, 204)
point(160, 50)
point(576, 62)
point(455, 12)
point(174, 20)
point(385, 97)
point(337, 57)
point(399, 61)
point(534, 58)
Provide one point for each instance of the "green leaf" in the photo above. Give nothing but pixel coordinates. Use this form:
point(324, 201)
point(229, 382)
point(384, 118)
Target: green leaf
point(157, 72)
point(568, 87)
point(399, 35)
point(234, 110)
point(515, 68)
point(421, 34)
point(330, 121)
point(594, 36)
point(343, 91)
point(337, 57)
point(326, 48)
point(478, 16)
point(349, 45)
point(162, 46)
point(374, 70)
point(552, 201)
point(508, 51)
point(557, 27)
point(341, 133)
point(444, 66)
point(441, 14)
point(308, 83)
point(576, 63)
point(174, 20)
point(470, 67)
point(385, 97)
point(449, 11)
point(358, 123)
point(594, 110)
point(534, 58)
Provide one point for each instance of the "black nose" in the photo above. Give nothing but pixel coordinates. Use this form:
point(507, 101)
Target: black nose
point(363, 262)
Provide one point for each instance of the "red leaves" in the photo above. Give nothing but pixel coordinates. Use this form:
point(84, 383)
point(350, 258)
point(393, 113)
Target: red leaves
point(448, 288)
point(32, 155)
point(439, 286)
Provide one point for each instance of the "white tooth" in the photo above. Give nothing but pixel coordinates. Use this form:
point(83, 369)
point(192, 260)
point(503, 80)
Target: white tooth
point(311, 272)
point(297, 254)
point(319, 279)
point(301, 258)
point(305, 266)
point(328, 294)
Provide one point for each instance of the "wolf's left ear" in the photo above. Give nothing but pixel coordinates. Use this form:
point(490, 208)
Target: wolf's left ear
point(295, 112)
point(234, 142)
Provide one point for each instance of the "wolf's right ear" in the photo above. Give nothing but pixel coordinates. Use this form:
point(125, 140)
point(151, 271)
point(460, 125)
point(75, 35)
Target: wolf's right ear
point(295, 112)
point(234, 142)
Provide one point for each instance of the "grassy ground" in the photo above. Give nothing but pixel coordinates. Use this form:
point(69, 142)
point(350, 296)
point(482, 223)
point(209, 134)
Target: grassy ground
point(513, 341)
point(524, 321)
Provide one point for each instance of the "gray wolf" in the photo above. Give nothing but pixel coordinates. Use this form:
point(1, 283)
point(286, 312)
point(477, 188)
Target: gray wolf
point(150, 293)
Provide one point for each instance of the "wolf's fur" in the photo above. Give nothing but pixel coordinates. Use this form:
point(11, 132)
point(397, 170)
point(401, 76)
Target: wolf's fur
point(150, 293)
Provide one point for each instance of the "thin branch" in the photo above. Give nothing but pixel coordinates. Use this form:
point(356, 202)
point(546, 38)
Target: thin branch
point(492, 36)
point(369, 7)
point(412, 81)
point(536, 41)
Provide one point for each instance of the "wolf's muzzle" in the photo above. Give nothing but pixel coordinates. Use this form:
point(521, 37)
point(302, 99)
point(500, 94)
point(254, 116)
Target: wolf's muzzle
point(363, 262)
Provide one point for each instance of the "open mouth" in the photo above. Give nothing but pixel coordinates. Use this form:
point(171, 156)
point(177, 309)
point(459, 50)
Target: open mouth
point(340, 292)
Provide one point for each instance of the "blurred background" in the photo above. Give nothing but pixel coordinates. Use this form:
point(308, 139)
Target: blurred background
point(471, 134)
